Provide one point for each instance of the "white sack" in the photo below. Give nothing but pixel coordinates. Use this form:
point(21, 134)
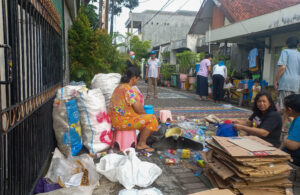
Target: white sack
point(128, 170)
point(68, 172)
point(94, 120)
point(150, 191)
point(107, 83)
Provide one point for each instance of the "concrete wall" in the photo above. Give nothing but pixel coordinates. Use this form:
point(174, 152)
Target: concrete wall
point(165, 28)
point(271, 57)
point(68, 24)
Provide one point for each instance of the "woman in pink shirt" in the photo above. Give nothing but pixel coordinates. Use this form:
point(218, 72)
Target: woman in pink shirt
point(202, 76)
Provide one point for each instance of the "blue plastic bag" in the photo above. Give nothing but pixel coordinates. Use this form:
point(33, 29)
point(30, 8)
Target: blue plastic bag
point(226, 130)
point(73, 137)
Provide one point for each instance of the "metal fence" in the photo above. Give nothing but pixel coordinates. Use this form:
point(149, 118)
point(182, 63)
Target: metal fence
point(30, 74)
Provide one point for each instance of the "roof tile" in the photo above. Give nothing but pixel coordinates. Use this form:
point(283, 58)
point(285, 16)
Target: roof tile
point(244, 9)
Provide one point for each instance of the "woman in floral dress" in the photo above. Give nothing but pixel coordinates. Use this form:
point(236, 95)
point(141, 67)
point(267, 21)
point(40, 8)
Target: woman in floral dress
point(127, 111)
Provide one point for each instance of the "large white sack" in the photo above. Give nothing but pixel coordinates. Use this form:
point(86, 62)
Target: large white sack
point(66, 125)
point(107, 83)
point(94, 119)
point(128, 169)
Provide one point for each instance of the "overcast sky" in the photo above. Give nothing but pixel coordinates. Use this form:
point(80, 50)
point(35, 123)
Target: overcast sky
point(192, 5)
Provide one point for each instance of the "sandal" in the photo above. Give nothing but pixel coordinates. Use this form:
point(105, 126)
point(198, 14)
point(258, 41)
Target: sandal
point(156, 97)
point(148, 97)
point(147, 149)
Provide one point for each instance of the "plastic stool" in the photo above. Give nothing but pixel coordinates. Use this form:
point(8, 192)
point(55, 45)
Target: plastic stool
point(164, 115)
point(148, 109)
point(125, 139)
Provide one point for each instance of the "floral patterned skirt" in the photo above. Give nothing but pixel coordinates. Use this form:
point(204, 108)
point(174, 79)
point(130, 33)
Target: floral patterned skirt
point(140, 122)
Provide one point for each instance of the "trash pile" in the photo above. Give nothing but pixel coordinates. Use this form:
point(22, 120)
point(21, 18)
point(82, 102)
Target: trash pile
point(84, 134)
point(247, 165)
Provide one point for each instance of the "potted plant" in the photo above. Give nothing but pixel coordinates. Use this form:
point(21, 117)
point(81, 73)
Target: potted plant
point(186, 61)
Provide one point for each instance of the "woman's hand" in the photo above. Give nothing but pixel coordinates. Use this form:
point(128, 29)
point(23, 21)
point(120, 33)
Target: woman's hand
point(235, 121)
point(238, 127)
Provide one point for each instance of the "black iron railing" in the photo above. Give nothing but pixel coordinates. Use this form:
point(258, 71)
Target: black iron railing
point(32, 66)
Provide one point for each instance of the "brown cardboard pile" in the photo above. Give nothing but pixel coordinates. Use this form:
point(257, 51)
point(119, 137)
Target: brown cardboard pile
point(247, 165)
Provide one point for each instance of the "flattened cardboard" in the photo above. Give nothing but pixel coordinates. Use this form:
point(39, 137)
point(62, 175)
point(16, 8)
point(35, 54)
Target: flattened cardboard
point(236, 151)
point(214, 191)
point(284, 182)
point(263, 191)
point(218, 167)
point(251, 145)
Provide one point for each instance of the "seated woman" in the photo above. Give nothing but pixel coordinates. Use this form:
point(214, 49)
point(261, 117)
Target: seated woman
point(291, 144)
point(265, 122)
point(127, 112)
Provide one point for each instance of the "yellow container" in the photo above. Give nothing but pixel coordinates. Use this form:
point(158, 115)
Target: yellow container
point(186, 153)
point(201, 163)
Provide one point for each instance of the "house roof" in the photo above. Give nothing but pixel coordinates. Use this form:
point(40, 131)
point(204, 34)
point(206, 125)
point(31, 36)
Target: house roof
point(238, 10)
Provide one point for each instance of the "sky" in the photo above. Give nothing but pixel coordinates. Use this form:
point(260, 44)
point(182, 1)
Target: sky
point(191, 5)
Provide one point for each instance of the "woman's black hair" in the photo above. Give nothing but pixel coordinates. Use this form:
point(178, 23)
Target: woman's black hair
point(132, 71)
point(292, 42)
point(269, 97)
point(293, 102)
point(209, 56)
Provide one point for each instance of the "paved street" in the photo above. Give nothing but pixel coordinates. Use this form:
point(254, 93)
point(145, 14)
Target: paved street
point(176, 180)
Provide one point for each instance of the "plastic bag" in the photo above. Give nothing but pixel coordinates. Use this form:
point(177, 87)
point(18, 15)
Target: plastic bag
point(66, 126)
point(226, 130)
point(128, 170)
point(95, 122)
point(107, 83)
point(150, 191)
point(72, 171)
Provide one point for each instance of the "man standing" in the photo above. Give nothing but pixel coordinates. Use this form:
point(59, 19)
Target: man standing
point(287, 79)
point(202, 76)
point(152, 73)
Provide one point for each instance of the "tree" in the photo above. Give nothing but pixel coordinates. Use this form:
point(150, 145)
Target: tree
point(90, 11)
point(116, 9)
point(91, 52)
point(141, 48)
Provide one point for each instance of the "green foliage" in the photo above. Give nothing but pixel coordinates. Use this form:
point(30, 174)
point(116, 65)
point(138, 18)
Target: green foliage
point(200, 56)
point(90, 11)
point(186, 61)
point(130, 4)
point(91, 52)
point(166, 56)
point(166, 71)
point(141, 48)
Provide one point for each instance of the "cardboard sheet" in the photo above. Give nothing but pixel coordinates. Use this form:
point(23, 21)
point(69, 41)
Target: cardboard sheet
point(214, 191)
point(250, 145)
point(237, 151)
point(284, 182)
point(263, 191)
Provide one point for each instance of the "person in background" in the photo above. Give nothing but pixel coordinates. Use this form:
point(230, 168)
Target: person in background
point(265, 122)
point(256, 88)
point(219, 75)
point(291, 143)
point(152, 74)
point(287, 80)
point(202, 76)
point(131, 60)
point(127, 112)
point(227, 86)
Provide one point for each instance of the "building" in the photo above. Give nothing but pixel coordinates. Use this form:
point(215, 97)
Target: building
point(166, 30)
point(248, 24)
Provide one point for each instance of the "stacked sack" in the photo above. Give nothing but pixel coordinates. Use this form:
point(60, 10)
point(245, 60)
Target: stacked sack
point(247, 165)
point(95, 121)
point(66, 121)
point(107, 83)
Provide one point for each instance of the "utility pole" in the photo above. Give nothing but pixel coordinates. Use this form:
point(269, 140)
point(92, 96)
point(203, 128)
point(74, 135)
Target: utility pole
point(112, 17)
point(131, 23)
point(106, 14)
point(100, 13)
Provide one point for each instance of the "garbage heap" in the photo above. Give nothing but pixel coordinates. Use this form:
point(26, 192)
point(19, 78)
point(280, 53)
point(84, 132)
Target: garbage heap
point(247, 165)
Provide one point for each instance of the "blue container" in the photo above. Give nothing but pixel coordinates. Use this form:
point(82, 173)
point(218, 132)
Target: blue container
point(197, 68)
point(148, 109)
